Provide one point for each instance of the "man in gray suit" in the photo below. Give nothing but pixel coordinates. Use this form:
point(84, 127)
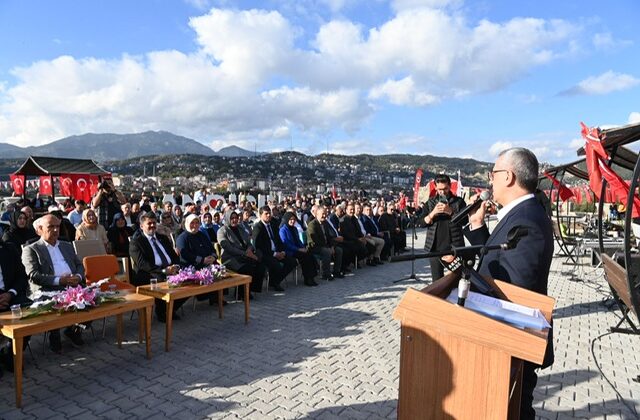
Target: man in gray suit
point(53, 265)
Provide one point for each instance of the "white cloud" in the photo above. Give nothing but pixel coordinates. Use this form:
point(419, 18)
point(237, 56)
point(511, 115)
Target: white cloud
point(634, 117)
point(400, 5)
point(604, 41)
point(603, 84)
point(249, 78)
point(402, 92)
point(498, 147)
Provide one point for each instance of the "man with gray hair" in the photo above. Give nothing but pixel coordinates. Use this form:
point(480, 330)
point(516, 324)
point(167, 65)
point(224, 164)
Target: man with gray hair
point(514, 179)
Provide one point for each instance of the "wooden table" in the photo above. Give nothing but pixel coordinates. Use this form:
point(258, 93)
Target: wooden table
point(169, 295)
point(17, 329)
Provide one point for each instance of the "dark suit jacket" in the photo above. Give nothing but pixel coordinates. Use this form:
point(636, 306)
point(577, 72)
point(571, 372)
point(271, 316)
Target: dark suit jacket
point(261, 240)
point(335, 221)
point(316, 235)
point(13, 273)
point(39, 268)
point(350, 229)
point(143, 264)
point(370, 225)
point(527, 265)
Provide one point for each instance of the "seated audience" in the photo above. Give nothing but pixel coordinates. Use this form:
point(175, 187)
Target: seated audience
point(52, 265)
point(75, 215)
point(270, 250)
point(372, 228)
point(320, 244)
point(91, 229)
point(152, 256)
point(208, 228)
point(350, 230)
point(294, 247)
point(238, 254)
point(118, 235)
point(388, 222)
point(19, 233)
point(372, 240)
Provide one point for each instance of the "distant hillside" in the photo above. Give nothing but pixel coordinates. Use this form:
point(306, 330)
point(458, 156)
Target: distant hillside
point(235, 151)
point(107, 147)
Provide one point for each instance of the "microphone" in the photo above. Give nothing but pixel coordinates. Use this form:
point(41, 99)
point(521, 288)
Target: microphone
point(484, 196)
point(463, 290)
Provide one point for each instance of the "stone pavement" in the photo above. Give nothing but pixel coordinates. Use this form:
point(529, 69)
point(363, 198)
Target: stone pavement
point(326, 352)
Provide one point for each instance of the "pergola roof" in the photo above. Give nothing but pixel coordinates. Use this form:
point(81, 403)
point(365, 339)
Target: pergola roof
point(614, 139)
point(576, 168)
point(37, 165)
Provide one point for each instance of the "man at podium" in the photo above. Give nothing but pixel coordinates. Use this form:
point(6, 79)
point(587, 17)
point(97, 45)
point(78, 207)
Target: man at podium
point(514, 179)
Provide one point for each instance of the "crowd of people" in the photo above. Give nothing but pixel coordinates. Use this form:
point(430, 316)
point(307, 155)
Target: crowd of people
point(326, 237)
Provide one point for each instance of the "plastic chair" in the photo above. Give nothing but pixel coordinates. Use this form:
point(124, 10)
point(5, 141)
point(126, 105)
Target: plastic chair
point(99, 267)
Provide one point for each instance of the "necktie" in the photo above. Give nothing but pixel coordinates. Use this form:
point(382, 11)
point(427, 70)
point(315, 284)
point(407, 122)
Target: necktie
point(270, 232)
point(163, 258)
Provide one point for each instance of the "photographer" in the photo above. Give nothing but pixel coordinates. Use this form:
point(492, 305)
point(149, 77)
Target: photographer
point(107, 202)
point(441, 234)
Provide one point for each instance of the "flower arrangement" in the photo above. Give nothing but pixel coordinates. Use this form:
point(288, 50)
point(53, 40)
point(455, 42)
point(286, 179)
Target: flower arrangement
point(204, 276)
point(76, 298)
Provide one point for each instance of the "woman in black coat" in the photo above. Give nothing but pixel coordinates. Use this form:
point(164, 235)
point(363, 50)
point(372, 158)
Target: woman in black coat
point(19, 233)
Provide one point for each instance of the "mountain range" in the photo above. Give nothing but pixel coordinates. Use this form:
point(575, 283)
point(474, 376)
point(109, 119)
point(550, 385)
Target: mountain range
point(107, 147)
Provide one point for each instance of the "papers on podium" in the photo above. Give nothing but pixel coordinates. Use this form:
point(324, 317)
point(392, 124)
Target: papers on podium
point(509, 312)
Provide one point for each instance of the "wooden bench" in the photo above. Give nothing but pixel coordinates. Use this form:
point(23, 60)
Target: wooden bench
point(616, 276)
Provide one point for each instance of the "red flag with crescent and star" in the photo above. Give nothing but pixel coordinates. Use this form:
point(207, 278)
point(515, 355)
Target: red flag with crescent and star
point(81, 187)
point(17, 183)
point(45, 185)
point(66, 185)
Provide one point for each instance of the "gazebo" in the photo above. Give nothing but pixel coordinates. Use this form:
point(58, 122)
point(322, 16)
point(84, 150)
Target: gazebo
point(79, 178)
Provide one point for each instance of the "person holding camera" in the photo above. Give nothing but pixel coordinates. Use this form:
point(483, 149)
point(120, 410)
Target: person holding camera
point(441, 233)
point(107, 202)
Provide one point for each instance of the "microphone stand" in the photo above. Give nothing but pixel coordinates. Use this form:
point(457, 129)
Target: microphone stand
point(414, 236)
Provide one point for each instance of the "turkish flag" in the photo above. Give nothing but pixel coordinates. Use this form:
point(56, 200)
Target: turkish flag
point(587, 195)
point(17, 183)
point(81, 188)
point(45, 185)
point(565, 193)
point(577, 192)
point(66, 185)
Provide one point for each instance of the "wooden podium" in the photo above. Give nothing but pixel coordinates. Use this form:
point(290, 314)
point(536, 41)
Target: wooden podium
point(459, 364)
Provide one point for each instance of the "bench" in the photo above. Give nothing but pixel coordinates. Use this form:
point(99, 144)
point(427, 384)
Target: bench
point(616, 276)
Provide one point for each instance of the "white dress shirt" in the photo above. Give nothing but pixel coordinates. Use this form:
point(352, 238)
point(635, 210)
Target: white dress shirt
point(60, 266)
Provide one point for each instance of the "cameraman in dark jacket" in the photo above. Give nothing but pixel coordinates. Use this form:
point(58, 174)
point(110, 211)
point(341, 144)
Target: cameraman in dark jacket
point(441, 233)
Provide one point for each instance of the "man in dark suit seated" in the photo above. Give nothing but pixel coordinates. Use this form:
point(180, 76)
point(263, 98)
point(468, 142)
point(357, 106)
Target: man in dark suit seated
point(372, 228)
point(514, 179)
point(152, 256)
point(350, 229)
point(52, 265)
point(270, 249)
point(320, 244)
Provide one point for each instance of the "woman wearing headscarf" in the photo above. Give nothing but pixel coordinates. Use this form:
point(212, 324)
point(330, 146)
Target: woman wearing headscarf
point(18, 233)
point(208, 228)
point(91, 229)
point(194, 246)
point(167, 227)
point(294, 247)
point(238, 254)
point(119, 234)
point(196, 250)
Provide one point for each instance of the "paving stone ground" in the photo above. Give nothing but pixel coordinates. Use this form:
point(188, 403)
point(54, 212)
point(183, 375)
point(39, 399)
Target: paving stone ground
point(321, 353)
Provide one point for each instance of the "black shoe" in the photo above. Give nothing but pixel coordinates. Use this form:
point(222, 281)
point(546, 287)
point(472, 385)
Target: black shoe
point(6, 360)
point(241, 296)
point(339, 275)
point(345, 270)
point(74, 334)
point(277, 288)
point(370, 263)
point(330, 277)
point(310, 283)
point(55, 344)
point(379, 261)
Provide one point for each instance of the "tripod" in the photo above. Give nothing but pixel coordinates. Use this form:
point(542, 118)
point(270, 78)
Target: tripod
point(414, 236)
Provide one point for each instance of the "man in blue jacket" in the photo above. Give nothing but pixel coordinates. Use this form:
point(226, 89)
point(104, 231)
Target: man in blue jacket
point(514, 179)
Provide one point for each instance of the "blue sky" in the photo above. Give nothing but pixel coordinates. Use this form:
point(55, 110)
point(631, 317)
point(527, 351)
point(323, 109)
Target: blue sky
point(443, 77)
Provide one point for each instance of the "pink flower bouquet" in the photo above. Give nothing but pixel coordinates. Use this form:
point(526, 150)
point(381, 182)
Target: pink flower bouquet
point(204, 276)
